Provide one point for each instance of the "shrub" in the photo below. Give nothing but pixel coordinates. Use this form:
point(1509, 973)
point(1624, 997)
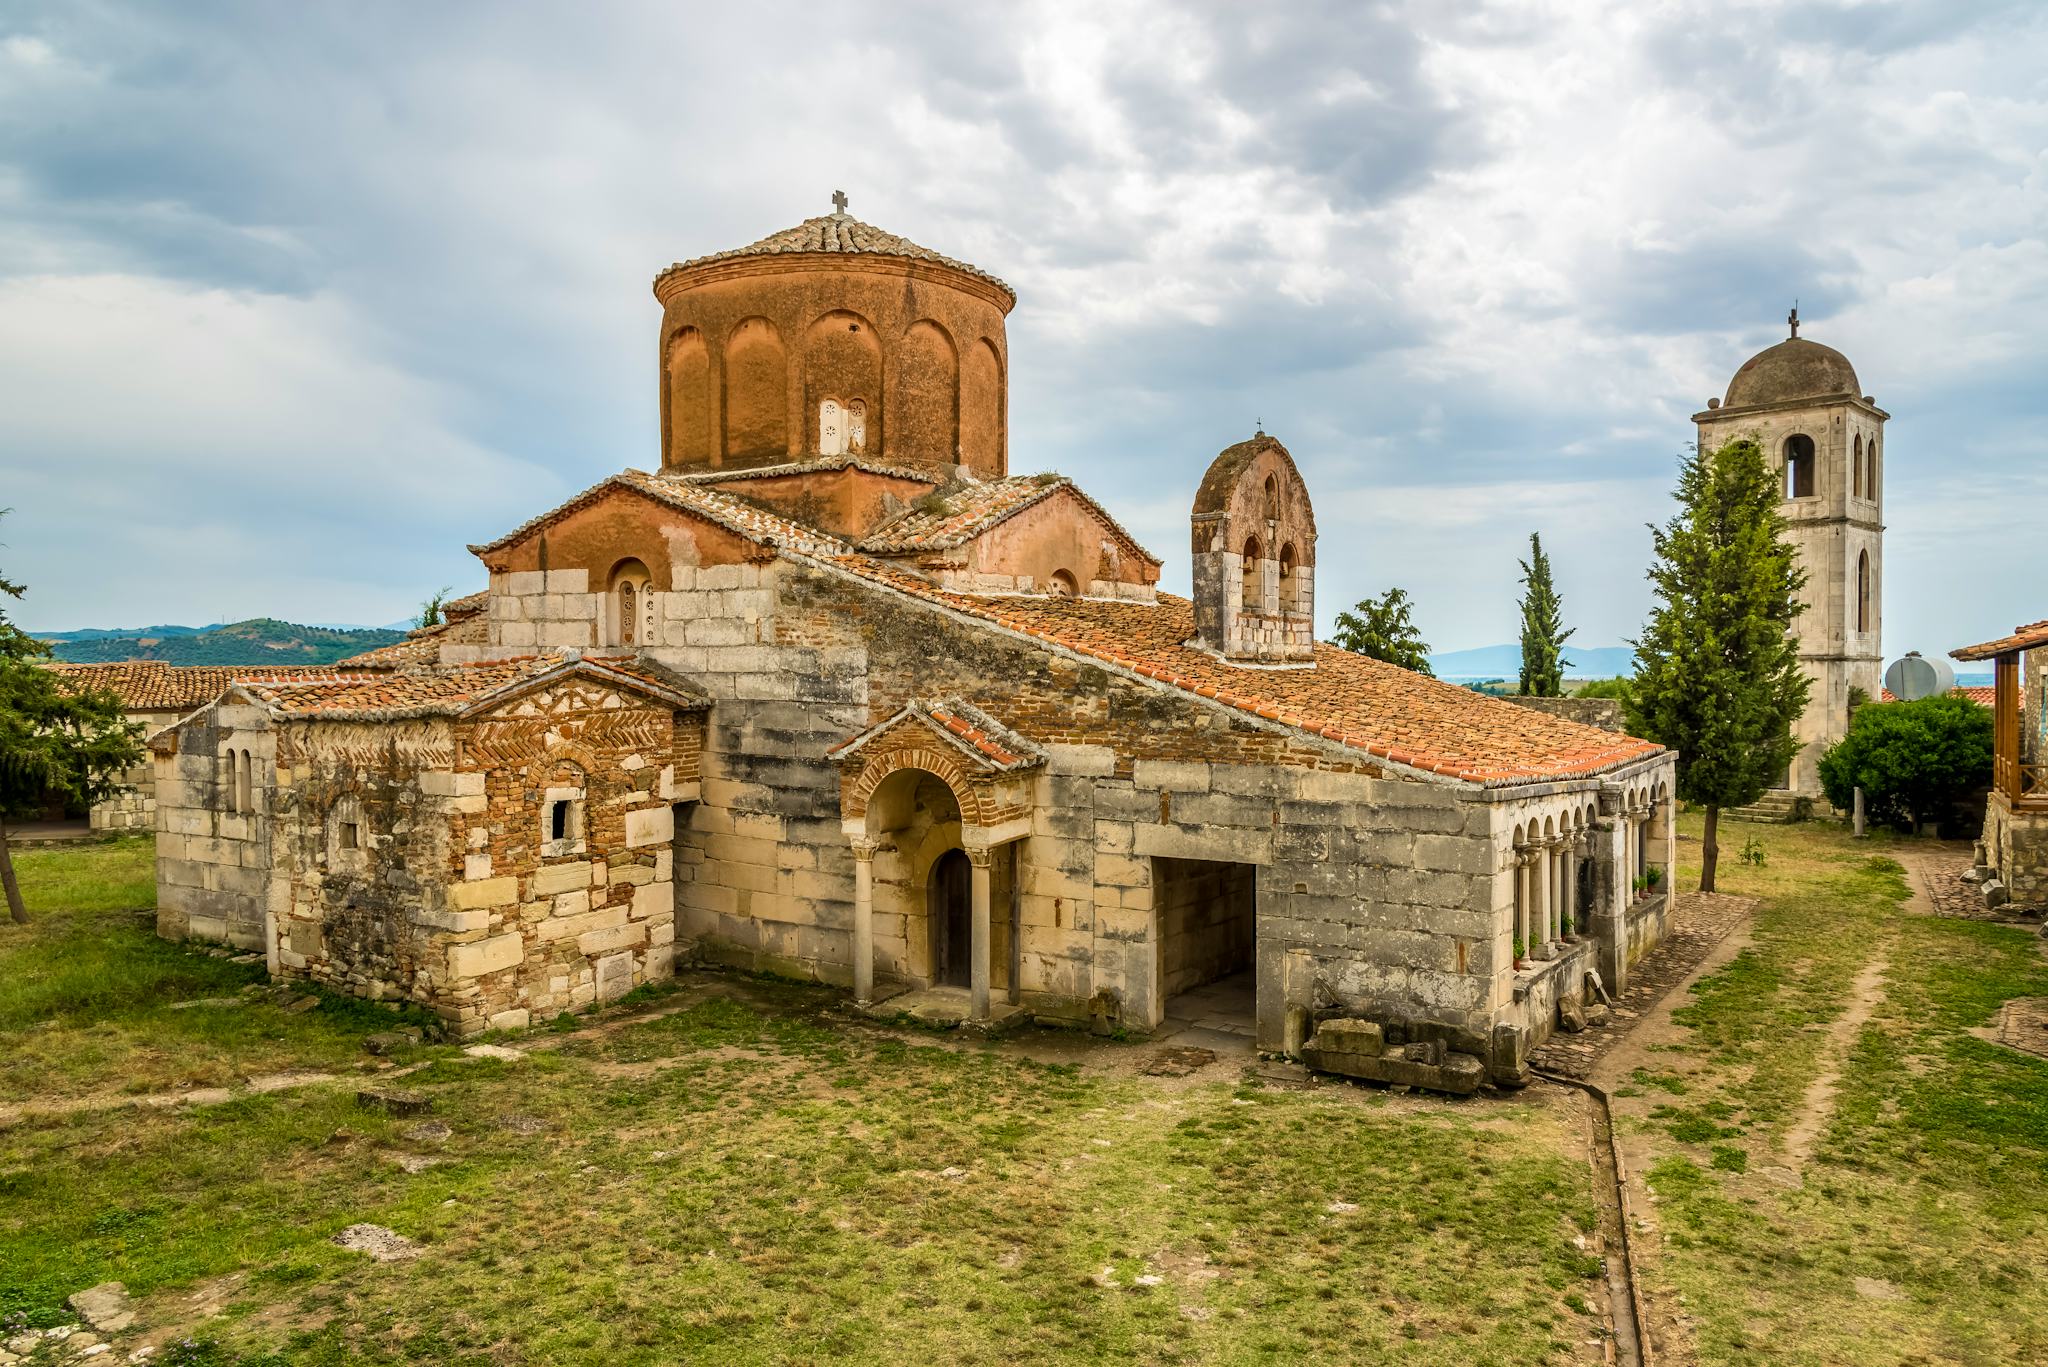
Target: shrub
point(1913, 760)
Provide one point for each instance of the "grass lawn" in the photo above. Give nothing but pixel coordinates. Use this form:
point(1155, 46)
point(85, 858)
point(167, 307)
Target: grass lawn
point(1911, 1224)
point(747, 1180)
point(87, 992)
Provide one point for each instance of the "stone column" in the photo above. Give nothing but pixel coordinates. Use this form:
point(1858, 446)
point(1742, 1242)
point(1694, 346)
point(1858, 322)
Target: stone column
point(1575, 855)
point(1525, 883)
point(863, 921)
point(1539, 906)
point(1558, 861)
point(979, 937)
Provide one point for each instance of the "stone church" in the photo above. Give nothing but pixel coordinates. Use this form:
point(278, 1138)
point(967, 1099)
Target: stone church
point(834, 694)
point(1803, 404)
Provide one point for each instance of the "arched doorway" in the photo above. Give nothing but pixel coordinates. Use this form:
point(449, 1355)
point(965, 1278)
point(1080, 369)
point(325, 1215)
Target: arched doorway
point(949, 904)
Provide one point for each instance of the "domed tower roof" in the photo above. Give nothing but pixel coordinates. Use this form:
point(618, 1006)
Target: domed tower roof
point(1793, 370)
point(837, 233)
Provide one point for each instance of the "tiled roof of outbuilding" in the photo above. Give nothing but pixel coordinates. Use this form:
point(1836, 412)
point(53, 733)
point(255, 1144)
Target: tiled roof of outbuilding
point(2032, 636)
point(955, 515)
point(1364, 704)
point(388, 696)
point(154, 686)
point(838, 234)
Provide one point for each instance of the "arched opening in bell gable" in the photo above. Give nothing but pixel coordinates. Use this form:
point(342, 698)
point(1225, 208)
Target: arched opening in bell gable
point(1252, 596)
point(1290, 579)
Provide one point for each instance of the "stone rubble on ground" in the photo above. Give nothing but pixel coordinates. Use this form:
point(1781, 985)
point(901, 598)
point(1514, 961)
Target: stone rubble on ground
point(381, 1244)
point(497, 1051)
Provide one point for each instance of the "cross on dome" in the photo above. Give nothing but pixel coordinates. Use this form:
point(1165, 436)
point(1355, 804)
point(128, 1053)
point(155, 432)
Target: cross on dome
point(1793, 317)
point(839, 201)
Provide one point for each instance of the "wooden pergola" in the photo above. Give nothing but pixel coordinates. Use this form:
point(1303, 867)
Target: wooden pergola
point(2022, 779)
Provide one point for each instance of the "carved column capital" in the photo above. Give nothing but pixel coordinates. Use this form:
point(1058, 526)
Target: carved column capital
point(979, 855)
point(864, 847)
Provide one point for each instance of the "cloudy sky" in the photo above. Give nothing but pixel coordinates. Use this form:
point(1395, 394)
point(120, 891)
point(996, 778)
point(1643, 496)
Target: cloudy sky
point(297, 300)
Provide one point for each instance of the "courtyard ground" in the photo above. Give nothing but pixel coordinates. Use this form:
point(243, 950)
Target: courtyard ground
point(740, 1175)
point(1831, 1162)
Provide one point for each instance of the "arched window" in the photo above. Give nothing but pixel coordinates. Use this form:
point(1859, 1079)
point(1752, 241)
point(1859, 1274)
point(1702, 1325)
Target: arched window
point(1870, 474)
point(1863, 590)
point(1856, 464)
point(1064, 586)
point(1799, 466)
point(631, 610)
point(245, 776)
point(1290, 582)
point(230, 782)
point(1254, 597)
point(1272, 504)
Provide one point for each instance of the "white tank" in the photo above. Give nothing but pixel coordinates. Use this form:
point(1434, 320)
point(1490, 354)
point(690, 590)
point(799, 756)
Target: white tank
point(1916, 677)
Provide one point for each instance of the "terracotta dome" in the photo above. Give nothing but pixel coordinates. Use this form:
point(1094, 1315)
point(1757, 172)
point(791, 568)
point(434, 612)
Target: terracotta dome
point(1792, 370)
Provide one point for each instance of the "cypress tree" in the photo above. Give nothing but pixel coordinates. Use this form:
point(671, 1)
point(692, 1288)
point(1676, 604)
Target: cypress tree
point(1718, 677)
point(1543, 633)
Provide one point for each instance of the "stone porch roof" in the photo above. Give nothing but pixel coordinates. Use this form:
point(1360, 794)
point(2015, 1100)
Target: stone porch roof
point(986, 741)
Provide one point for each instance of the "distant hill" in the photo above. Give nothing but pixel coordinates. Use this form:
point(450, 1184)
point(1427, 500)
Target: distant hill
point(258, 641)
point(1505, 662)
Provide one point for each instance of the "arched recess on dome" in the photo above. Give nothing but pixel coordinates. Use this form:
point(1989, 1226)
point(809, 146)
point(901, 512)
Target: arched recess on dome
point(686, 398)
point(842, 366)
point(756, 392)
point(982, 410)
point(927, 378)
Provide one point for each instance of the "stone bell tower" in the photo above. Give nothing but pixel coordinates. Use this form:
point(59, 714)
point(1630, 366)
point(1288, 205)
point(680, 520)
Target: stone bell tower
point(1255, 556)
point(1802, 403)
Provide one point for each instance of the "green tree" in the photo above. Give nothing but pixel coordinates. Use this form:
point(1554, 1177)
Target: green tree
point(55, 740)
point(1717, 668)
point(1913, 760)
point(1620, 686)
point(1383, 629)
point(430, 611)
point(1543, 629)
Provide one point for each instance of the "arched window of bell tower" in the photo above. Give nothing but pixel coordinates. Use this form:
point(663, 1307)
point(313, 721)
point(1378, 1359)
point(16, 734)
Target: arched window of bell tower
point(1253, 598)
point(1863, 590)
point(1799, 466)
point(1856, 465)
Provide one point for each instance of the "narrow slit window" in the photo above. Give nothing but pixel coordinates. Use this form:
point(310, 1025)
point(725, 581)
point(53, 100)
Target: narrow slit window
point(351, 836)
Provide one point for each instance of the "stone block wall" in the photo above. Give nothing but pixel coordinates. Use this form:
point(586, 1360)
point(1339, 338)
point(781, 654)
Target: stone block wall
point(2015, 846)
point(1605, 713)
point(213, 856)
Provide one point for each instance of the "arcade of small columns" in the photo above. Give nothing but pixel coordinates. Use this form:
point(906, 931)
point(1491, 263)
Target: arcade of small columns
point(1547, 860)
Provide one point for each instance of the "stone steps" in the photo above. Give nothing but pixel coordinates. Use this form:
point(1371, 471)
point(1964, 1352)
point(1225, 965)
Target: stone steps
point(1773, 808)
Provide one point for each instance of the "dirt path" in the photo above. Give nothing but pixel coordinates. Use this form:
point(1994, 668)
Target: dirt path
point(1818, 1105)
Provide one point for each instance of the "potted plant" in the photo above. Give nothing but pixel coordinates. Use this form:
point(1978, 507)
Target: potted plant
point(1642, 886)
point(1518, 952)
point(1654, 875)
point(1568, 930)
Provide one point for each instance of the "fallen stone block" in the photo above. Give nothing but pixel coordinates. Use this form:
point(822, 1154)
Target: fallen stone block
point(390, 1041)
point(1346, 1035)
point(1571, 1016)
point(393, 1101)
point(105, 1307)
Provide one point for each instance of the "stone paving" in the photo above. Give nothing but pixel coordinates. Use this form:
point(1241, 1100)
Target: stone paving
point(1938, 867)
point(1699, 921)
